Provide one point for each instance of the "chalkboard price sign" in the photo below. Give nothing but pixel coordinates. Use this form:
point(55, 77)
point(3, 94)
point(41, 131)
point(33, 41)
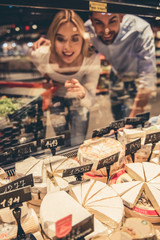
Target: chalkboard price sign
point(117, 124)
point(100, 132)
point(52, 142)
point(133, 147)
point(18, 183)
point(15, 197)
point(77, 170)
point(152, 138)
point(134, 121)
point(105, 162)
point(144, 116)
point(24, 149)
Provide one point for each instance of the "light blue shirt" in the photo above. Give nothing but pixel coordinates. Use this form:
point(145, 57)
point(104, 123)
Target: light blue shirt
point(132, 54)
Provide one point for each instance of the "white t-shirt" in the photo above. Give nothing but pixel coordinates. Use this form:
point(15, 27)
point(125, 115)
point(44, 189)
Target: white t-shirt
point(87, 75)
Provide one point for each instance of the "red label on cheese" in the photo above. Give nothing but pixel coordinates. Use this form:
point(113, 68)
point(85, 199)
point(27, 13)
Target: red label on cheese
point(63, 226)
point(116, 176)
point(145, 211)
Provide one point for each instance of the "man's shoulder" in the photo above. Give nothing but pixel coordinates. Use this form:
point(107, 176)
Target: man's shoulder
point(133, 21)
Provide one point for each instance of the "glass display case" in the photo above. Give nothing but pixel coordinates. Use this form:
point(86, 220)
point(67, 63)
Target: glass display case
point(30, 108)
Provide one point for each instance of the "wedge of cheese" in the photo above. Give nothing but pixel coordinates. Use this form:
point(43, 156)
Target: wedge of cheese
point(28, 166)
point(125, 187)
point(131, 197)
point(56, 206)
point(54, 167)
point(6, 215)
point(135, 170)
point(132, 134)
point(154, 196)
point(94, 150)
point(151, 170)
point(100, 200)
point(2, 173)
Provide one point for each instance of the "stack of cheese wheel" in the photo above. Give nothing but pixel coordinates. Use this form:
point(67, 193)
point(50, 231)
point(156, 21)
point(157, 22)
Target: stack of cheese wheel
point(94, 150)
point(101, 200)
point(139, 188)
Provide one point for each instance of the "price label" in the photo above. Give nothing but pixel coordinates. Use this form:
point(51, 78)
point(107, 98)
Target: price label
point(152, 138)
point(100, 132)
point(24, 149)
point(52, 142)
point(134, 121)
point(117, 124)
point(19, 183)
point(63, 226)
point(14, 197)
point(133, 147)
point(108, 161)
point(77, 170)
point(80, 230)
point(144, 116)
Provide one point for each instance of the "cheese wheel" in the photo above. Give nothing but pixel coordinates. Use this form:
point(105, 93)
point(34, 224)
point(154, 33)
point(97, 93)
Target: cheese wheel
point(94, 150)
point(141, 192)
point(100, 200)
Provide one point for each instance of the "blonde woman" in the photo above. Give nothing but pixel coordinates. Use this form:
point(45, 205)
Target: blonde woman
point(65, 59)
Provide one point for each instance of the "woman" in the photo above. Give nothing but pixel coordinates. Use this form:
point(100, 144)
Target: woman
point(67, 61)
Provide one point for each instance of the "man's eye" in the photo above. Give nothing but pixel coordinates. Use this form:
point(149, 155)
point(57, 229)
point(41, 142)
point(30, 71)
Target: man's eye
point(113, 22)
point(98, 23)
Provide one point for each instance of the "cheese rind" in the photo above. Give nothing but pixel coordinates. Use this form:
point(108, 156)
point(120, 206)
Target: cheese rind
point(151, 170)
point(154, 196)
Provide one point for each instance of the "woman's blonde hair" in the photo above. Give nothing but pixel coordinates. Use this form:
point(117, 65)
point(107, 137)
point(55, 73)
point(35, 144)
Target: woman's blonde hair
point(65, 16)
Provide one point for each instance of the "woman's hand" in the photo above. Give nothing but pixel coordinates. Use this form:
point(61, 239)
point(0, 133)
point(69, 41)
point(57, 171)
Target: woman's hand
point(74, 87)
point(41, 42)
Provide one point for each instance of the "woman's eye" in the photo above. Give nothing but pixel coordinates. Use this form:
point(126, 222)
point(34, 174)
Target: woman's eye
point(75, 39)
point(60, 39)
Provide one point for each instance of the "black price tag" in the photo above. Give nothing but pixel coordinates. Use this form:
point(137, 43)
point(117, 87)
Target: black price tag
point(152, 138)
point(134, 121)
point(14, 197)
point(133, 147)
point(77, 170)
point(117, 124)
point(52, 142)
point(80, 230)
point(24, 149)
point(105, 162)
point(100, 132)
point(18, 183)
point(144, 116)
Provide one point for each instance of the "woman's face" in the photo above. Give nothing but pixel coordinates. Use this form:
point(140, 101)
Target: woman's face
point(68, 43)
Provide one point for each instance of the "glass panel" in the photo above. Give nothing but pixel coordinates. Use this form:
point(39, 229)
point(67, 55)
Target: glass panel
point(73, 82)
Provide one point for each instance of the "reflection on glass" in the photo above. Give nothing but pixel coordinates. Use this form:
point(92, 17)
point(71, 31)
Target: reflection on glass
point(65, 75)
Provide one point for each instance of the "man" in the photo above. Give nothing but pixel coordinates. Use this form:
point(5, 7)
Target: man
point(127, 43)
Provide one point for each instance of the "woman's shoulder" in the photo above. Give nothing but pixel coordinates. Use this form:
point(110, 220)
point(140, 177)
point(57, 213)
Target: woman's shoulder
point(92, 57)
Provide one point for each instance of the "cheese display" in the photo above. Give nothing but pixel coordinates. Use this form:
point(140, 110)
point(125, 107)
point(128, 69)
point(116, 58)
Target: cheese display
point(100, 200)
point(94, 150)
point(141, 193)
point(56, 206)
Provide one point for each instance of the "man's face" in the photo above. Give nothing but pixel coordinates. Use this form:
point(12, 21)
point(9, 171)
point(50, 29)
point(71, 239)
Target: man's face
point(106, 26)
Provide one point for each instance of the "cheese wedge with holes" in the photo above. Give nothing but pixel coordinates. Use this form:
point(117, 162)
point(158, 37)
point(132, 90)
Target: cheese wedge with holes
point(98, 198)
point(125, 187)
point(131, 197)
point(135, 170)
point(151, 170)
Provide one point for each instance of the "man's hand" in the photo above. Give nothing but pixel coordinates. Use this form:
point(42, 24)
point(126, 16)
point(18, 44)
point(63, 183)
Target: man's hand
point(74, 87)
point(140, 101)
point(41, 42)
